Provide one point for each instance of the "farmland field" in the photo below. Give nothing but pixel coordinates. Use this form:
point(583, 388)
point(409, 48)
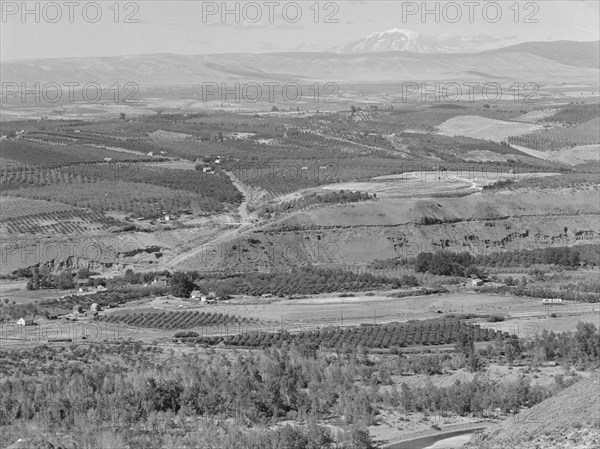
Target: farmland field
point(434, 332)
point(31, 216)
point(556, 138)
point(138, 199)
point(13, 207)
point(66, 222)
point(176, 320)
point(37, 154)
point(484, 128)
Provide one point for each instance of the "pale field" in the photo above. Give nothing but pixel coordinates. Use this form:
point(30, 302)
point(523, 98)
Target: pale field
point(533, 153)
point(564, 321)
point(15, 290)
point(484, 128)
point(479, 176)
point(409, 187)
point(178, 165)
point(536, 116)
point(332, 310)
point(578, 155)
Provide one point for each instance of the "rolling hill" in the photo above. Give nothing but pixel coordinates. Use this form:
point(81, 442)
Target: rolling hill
point(579, 54)
point(570, 419)
point(551, 61)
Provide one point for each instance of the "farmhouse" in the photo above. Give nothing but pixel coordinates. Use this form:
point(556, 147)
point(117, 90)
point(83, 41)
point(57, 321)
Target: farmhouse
point(474, 281)
point(25, 321)
point(196, 294)
point(160, 280)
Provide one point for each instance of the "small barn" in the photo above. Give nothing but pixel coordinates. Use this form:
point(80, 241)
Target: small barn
point(25, 321)
point(474, 282)
point(160, 281)
point(78, 309)
point(95, 307)
point(196, 294)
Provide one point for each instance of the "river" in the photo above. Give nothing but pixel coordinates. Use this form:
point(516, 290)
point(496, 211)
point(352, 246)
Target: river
point(444, 440)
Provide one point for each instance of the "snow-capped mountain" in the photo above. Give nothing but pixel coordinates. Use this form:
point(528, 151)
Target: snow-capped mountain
point(395, 39)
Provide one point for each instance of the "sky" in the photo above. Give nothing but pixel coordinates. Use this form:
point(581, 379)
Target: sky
point(108, 28)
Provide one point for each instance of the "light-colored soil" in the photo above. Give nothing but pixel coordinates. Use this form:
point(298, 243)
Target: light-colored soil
point(399, 210)
point(578, 155)
point(408, 187)
point(566, 320)
point(484, 128)
point(332, 310)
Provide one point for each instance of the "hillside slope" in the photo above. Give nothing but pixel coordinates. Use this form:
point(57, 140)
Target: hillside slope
point(169, 69)
point(580, 54)
point(570, 419)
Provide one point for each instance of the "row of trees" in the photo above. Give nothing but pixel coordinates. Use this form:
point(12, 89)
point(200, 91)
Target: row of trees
point(42, 277)
point(434, 332)
point(340, 197)
point(449, 263)
point(303, 280)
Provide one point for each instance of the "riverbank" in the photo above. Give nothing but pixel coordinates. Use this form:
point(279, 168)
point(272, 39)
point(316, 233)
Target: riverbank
point(429, 437)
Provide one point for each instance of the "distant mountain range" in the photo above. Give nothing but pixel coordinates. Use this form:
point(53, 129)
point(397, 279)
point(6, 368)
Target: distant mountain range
point(405, 59)
point(392, 40)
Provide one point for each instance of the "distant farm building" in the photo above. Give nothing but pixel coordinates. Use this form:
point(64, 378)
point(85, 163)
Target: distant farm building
point(25, 321)
point(474, 282)
point(95, 307)
point(78, 309)
point(160, 281)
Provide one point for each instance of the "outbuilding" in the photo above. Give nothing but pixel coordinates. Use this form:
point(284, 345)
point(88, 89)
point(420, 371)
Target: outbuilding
point(25, 321)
